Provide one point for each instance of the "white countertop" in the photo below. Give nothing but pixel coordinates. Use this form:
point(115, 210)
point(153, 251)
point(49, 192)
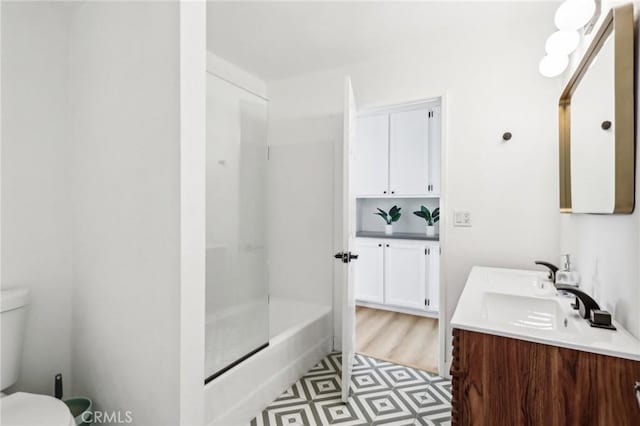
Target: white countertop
point(511, 303)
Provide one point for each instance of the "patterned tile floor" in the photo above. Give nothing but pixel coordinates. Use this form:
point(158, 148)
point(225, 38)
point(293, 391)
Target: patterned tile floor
point(382, 393)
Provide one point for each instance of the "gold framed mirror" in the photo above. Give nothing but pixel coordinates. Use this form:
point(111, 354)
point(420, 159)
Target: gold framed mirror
point(597, 123)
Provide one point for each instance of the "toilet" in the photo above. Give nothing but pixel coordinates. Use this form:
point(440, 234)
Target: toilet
point(22, 408)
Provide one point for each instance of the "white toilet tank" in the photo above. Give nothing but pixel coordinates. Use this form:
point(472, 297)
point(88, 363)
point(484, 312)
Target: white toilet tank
point(14, 313)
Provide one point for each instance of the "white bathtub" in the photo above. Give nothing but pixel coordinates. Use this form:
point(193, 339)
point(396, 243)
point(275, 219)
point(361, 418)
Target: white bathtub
point(301, 336)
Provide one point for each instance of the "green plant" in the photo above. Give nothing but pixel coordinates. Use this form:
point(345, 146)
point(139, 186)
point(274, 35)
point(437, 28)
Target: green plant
point(393, 215)
point(430, 217)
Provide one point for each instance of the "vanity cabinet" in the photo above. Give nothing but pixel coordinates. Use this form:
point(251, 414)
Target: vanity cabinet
point(397, 274)
point(503, 381)
point(397, 153)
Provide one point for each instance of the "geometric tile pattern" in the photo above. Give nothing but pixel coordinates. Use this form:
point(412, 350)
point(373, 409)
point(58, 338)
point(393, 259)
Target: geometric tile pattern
point(382, 393)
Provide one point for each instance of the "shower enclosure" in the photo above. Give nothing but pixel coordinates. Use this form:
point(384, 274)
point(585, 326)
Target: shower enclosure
point(237, 305)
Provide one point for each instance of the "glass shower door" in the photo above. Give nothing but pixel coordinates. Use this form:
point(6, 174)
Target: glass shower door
point(237, 309)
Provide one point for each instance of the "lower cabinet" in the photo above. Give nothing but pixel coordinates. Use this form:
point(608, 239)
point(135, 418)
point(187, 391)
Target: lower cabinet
point(369, 269)
point(405, 275)
point(398, 273)
point(503, 381)
point(433, 278)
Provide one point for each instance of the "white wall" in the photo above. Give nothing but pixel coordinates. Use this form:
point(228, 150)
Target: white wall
point(126, 195)
point(193, 63)
point(36, 211)
point(103, 200)
point(605, 249)
point(492, 85)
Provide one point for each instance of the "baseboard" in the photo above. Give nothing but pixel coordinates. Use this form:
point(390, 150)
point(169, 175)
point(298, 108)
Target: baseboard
point(418, 312)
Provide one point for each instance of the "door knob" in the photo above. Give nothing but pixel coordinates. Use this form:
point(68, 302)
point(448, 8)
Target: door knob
point(345, 256)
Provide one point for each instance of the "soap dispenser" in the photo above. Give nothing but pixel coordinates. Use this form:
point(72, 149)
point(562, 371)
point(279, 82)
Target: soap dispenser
point(567, 276)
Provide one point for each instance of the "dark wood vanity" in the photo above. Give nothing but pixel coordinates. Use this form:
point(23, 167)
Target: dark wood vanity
point(504, 381)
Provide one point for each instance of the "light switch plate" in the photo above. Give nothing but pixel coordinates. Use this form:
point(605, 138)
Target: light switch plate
point(461, 218)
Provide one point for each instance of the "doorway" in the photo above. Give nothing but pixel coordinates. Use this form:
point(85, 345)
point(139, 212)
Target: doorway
point(393, 176)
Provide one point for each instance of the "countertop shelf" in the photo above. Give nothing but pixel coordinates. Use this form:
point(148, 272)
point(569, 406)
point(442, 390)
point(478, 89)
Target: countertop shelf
point(397, 236)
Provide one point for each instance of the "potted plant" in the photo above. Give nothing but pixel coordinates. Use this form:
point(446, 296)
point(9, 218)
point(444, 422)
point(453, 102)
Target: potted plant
point(431, 217)
point(393, 216)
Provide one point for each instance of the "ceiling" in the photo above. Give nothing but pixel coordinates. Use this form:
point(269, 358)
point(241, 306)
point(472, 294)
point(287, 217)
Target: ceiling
point(275, 40)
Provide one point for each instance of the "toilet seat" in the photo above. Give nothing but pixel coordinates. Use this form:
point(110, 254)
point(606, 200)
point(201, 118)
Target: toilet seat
point(30, 409)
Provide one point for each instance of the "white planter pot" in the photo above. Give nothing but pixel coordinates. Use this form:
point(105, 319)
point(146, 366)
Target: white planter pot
point(388, 229)
point(431, 230)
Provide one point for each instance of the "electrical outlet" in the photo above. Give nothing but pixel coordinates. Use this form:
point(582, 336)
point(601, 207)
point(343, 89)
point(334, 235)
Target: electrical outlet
point(461, 218)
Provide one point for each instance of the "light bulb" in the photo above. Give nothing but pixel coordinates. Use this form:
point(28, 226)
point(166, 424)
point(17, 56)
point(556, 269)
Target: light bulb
point(553, 65)
point(562, 42)
point(574, 14)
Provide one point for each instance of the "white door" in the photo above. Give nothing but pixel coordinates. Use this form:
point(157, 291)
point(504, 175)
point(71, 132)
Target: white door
point(405, 274)
point(348, 216)
point(369, 269)
point(409, 152)
point(435, 135)
point(370, 167)
point(433, 278)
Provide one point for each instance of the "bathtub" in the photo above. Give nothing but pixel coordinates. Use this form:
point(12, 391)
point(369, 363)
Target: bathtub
point(300, 336)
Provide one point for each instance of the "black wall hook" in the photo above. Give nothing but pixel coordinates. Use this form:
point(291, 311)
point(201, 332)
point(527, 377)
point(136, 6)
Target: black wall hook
point(506, 136)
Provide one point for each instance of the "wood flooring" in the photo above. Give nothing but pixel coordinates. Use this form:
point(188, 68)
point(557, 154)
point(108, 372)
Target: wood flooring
point(399, 338)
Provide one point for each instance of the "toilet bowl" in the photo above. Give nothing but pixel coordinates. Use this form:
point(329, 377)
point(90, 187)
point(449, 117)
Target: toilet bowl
point(30, 409)
point(21, 408)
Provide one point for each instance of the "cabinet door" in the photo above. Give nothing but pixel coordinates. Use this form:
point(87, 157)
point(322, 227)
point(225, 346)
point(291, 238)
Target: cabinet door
point(435, 142)
point(409, 153)
point(369, 273)
point(370, 166)
point(404, 275)
point(433, 278)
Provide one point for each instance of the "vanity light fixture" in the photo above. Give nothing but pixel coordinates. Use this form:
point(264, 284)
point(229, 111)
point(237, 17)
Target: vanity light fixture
point(562, 42)
point(571, 16)
point(553, 65)
point(574, 14)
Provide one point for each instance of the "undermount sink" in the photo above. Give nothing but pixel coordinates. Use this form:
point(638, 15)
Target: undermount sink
point(533, 313)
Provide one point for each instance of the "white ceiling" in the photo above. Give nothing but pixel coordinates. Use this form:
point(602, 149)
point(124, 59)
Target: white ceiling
point(275, 40)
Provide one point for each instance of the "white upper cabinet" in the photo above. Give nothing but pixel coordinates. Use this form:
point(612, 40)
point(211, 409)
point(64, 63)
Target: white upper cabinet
point(397, 153)
point(435, 133)
point(405, 274)
point(371, 156)
point(409, 152)
point(369, 275)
